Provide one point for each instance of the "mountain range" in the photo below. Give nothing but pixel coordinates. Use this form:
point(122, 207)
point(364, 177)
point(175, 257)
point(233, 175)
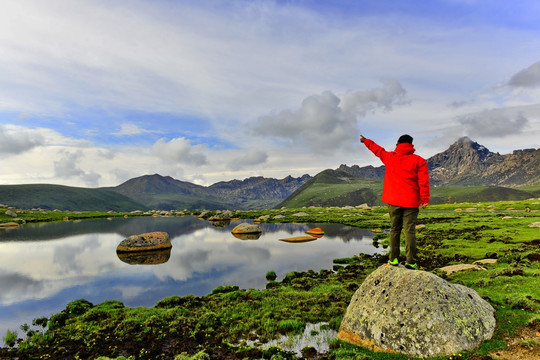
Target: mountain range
point(164, 192)
point(467, 163)
point(485, 175)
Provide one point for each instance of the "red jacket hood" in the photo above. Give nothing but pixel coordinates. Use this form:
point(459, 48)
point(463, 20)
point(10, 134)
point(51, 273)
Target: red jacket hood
point(405, 149)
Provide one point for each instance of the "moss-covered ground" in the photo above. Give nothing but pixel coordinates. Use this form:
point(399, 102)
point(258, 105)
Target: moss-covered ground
point(221, 324)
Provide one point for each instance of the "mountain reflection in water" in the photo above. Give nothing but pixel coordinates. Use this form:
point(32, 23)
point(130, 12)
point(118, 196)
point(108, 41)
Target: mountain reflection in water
point(45, 266)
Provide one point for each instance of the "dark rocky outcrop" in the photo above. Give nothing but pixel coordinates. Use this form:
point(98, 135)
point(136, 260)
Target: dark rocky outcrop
point(468, 163)
point(416, 313)
point(257, 188)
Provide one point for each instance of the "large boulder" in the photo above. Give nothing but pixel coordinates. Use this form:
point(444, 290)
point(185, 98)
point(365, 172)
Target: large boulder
point(145, 242)
point(224, 215)
point(246, 228)
point(416, 313)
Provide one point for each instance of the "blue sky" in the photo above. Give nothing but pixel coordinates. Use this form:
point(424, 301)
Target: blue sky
point(93, 93)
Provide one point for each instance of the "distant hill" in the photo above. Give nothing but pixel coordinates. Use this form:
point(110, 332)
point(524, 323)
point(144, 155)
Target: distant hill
point(164, 192)
point(60, 197)
point(466, 171)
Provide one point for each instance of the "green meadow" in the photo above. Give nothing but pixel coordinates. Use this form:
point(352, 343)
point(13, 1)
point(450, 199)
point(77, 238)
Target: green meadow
point(227, 323)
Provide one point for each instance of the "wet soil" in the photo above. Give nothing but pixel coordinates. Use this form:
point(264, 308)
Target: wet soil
point(525, 346)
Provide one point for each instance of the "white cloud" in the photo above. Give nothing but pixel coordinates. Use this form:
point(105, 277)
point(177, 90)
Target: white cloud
point(493, 123)
point(327, 122)
point(179, 150)
point(128, 129)
point(16, 139)
point(249, 159)
point(68, 167)
point(529, 77)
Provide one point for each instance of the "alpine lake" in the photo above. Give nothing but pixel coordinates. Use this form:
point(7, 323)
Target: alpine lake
point(44, 266)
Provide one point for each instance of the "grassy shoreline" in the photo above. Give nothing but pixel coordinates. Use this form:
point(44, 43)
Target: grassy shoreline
point(218, 325)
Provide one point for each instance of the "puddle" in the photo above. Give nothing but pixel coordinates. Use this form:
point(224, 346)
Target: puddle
point(317, 336)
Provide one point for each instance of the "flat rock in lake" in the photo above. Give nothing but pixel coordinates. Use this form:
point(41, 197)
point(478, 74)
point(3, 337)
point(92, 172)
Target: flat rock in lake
point(145, 242)
point(303, 238)
point(9, 225)
point(316, 231)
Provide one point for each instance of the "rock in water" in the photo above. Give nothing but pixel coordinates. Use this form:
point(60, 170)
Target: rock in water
point(224, 215)
point(154, 257)
point(145, 242)
point(416, 313)
point(245, 228)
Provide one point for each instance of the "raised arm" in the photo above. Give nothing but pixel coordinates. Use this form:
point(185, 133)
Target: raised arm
point(379, 151)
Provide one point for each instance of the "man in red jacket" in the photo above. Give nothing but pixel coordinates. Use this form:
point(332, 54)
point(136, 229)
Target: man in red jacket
point(406, 187)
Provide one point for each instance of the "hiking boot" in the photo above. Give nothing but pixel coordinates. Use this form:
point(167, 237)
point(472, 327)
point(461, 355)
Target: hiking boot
point(394, 262)
point(411, 266)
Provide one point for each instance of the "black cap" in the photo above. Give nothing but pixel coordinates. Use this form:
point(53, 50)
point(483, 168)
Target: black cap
point(405, 139)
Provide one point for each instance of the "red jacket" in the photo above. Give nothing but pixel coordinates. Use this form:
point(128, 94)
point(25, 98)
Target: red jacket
point(406, 178)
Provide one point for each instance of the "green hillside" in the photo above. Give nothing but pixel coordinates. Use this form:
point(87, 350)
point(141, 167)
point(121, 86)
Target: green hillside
point(336, 188)
point(46, 196)
point(533, 189)
point(451, 194)
point(181, 201)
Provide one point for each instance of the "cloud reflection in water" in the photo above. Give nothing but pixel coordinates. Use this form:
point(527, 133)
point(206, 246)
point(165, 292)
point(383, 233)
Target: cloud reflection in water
point(44, 267)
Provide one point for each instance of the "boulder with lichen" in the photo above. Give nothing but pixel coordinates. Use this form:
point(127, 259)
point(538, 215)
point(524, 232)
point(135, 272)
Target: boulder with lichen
point(152, 241)
point(416, 313)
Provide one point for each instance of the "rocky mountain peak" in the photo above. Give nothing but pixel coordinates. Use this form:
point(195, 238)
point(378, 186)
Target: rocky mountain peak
point(463, 159)
point(465, 144)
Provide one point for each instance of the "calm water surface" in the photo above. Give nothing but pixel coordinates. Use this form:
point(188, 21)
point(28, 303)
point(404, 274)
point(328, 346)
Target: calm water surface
point(45, 266)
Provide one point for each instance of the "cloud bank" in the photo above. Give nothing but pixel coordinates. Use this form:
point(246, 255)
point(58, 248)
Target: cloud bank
point(493, 123)
point(529, 77)
point(17, 140)
point(179, 150)
point(328, 122)
point(67, 167)
point(251, 158)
